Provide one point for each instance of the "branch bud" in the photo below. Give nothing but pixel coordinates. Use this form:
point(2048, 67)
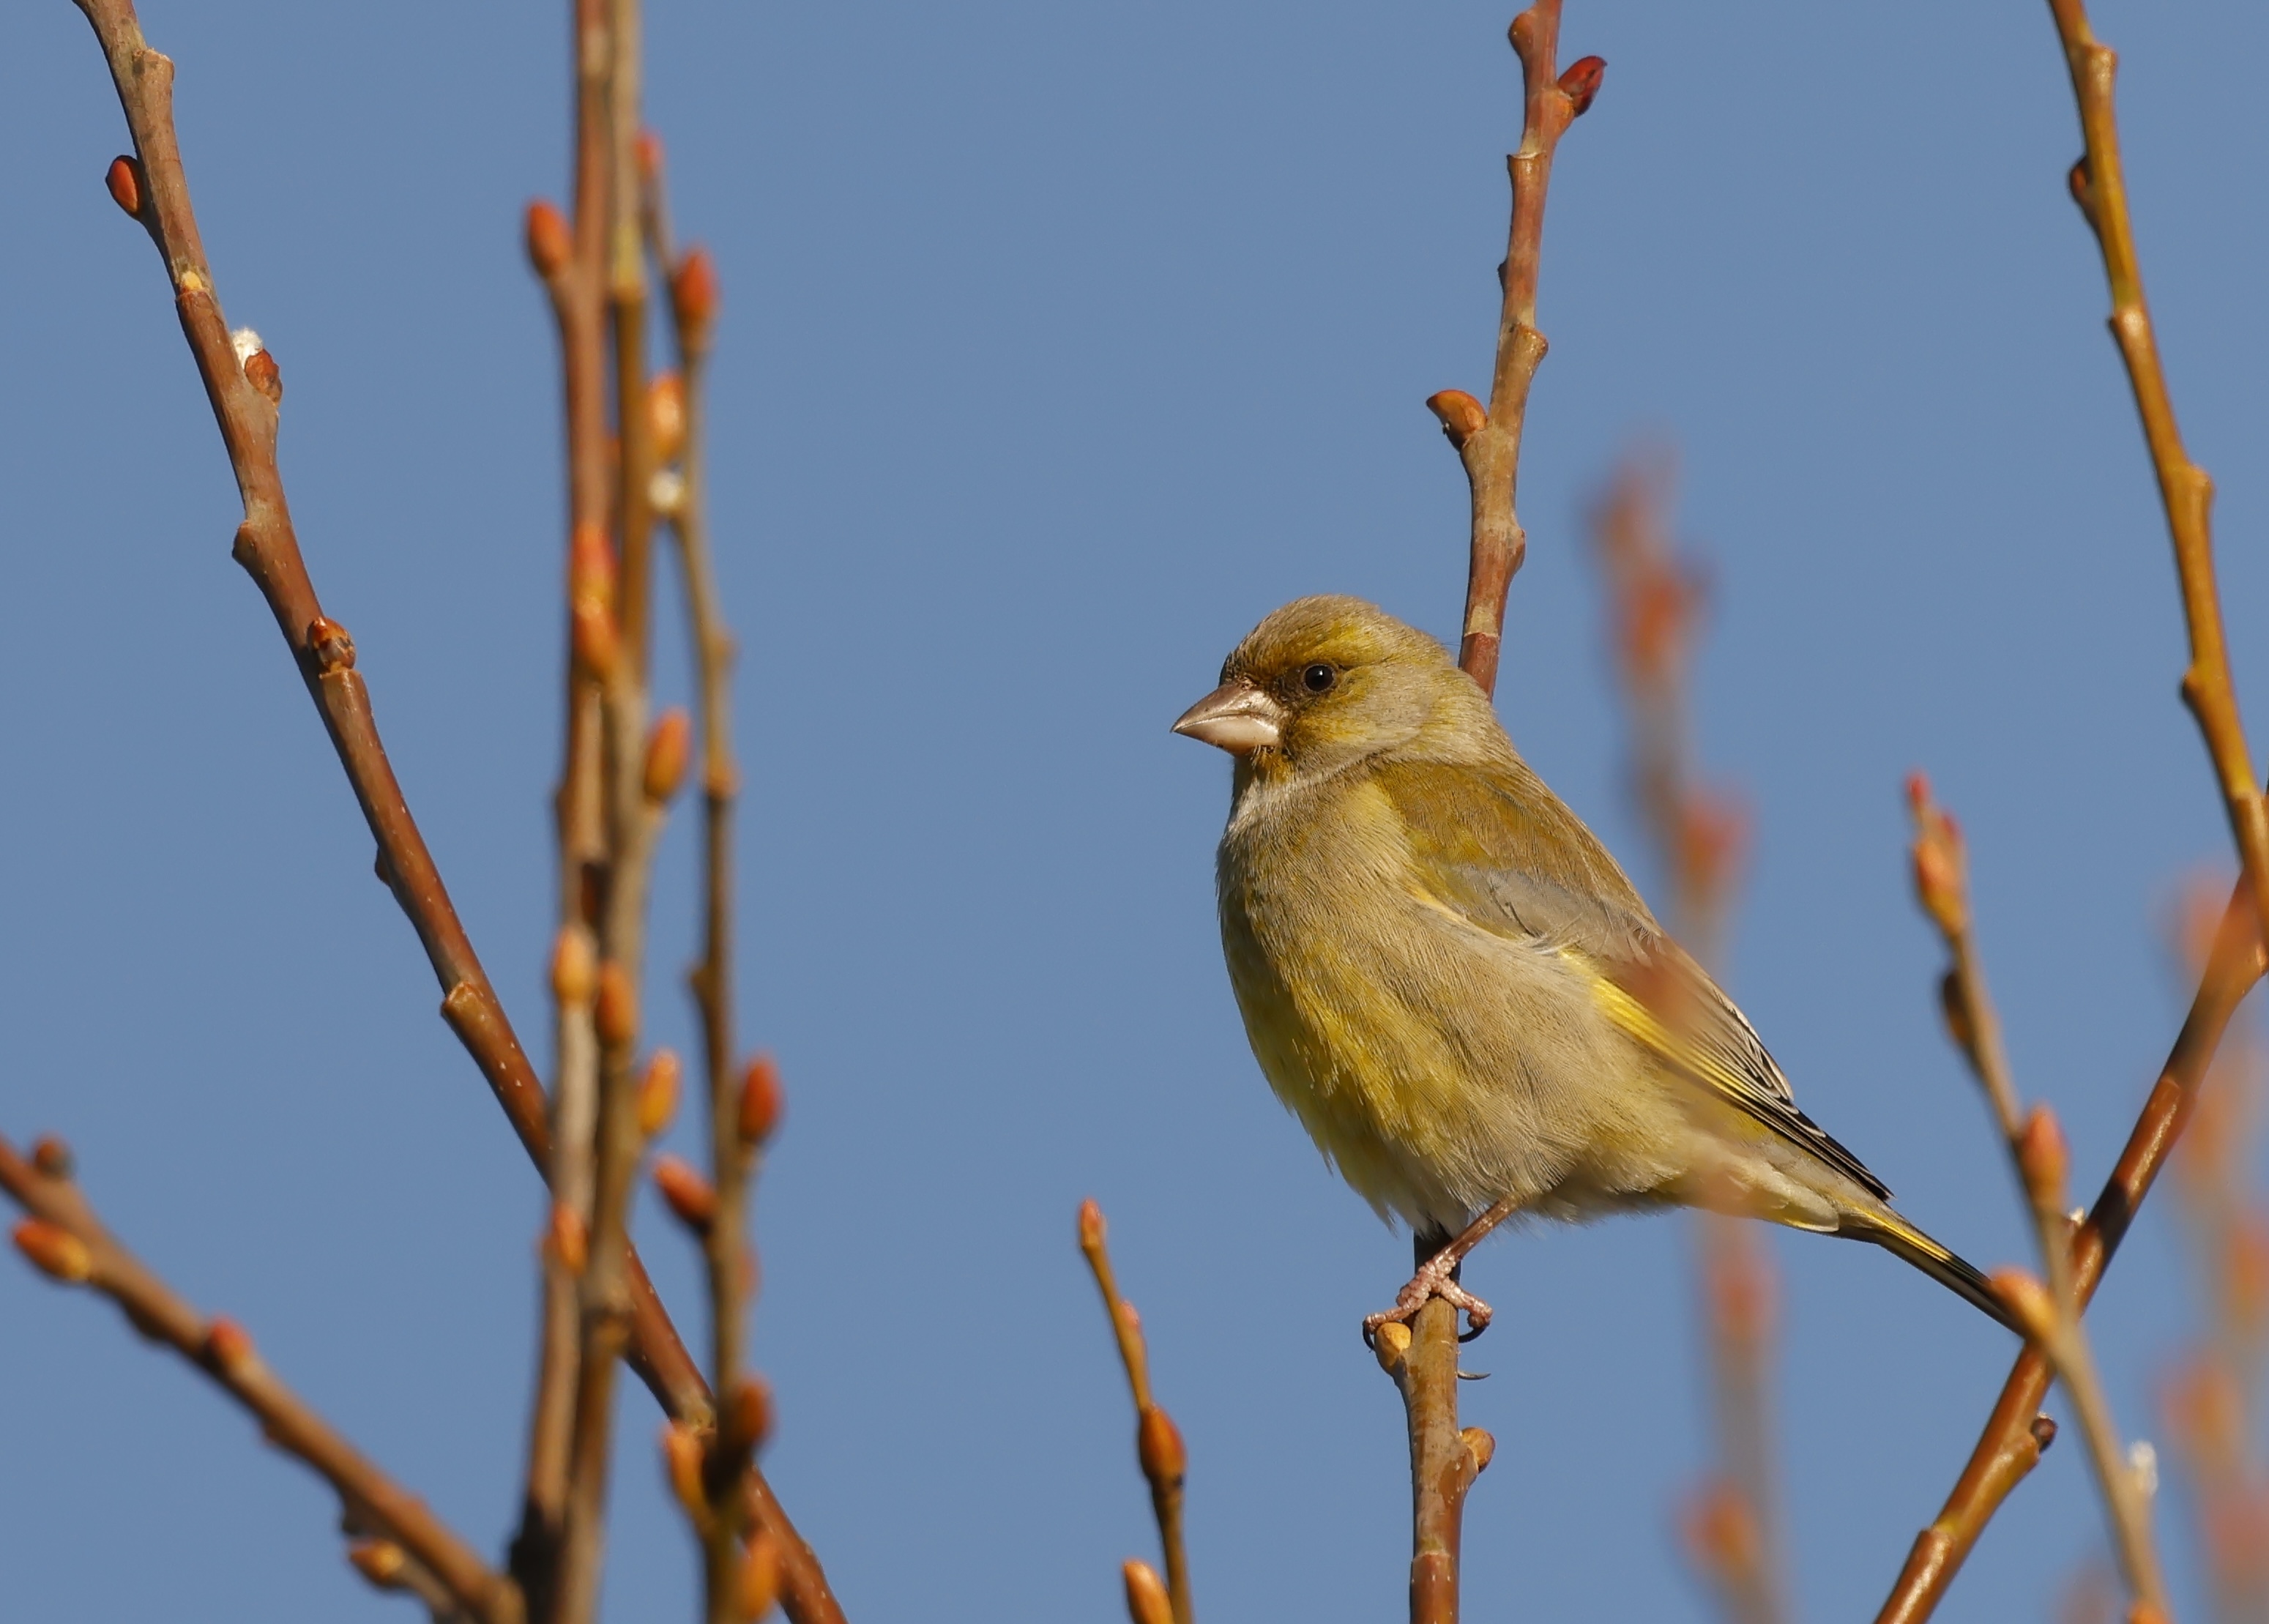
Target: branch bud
point(2043, 1157)
point(645, 151)
point(228, 1347)
point(1460, 415)
point(327, 642)
point(1392, 1344)
point(1146, 1595)
point(124, 179)
point(1158, 1446)
point(2028, 1303)
point(1482, 1447)
point(668, 747)
point(1954, 1003)
point(2044, 1433)
point(1941, 880)
point(760, 1576)
point(568, 1240)
point(55, 1251)
point(745, 1420)
point(681, 1455)
point(1091, 1227)
point(693, 297)
point(590, 566)
point(52, 1156)
point(1580, 84)
point(691, 1197)
point(593, 638)
point(615, 1011)
point(657, 1093)
point(550, 244)
point(665, 416)
point(575, 967)
point(261, 372)
point(761, 1102)
point(2083, 188)
point(378, 1560)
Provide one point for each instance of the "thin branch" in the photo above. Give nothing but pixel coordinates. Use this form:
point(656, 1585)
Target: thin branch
point(1423, 1359)
point(1157, 1441)
point(244, 392)
point(67, 1242)
point(2099, 185)
point(1487, 439)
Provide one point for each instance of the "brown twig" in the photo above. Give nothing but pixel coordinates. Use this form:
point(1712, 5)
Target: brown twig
point(1422, 1358)
point(2051, 1314)
point(2099, 185)
point(1487, 439)
point(2014, 1436)
point(1732, 1523)
point(65, 1239)
point(1157, 1441)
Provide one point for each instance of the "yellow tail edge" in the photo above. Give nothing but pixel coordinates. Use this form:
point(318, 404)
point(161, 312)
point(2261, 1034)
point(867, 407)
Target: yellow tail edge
point(1899, 1238)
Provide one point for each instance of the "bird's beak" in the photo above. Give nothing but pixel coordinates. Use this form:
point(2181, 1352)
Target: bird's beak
point(1236, 717)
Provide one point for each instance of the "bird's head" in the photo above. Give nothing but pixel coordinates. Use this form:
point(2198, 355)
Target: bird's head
point(1324, 681)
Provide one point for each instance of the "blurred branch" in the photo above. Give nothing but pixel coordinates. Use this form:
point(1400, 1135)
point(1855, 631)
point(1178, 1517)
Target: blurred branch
point(2207, 1402)
point(2014, 1436)
point(1731, 1524)
point(65, 1239)
point(1487, 439)
point(1157, 1442)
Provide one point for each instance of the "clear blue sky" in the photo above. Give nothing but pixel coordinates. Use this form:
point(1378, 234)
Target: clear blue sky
point(1060, 343)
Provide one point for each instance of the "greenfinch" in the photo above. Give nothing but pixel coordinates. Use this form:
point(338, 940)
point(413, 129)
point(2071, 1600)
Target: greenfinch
point(1453, 986)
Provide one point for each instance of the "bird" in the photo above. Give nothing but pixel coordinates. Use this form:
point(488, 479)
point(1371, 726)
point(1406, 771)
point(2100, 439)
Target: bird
point(1458, 992)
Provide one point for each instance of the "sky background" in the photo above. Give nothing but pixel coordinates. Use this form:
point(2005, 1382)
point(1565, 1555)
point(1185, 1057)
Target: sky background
point(1060, 343)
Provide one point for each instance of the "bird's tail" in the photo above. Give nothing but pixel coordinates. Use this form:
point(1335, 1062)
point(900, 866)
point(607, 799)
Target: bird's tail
point(1895, 1234)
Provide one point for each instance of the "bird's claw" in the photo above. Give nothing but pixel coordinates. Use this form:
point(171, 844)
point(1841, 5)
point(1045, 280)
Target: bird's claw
point(1436, 1279)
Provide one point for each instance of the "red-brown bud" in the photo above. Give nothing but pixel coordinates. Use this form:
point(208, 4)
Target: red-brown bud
point(761, 1101)
point(575, 967)
point(1460, 415)
point(566, 1237)
point(665, 416)
point(747, 1415)
point(261, 372)
point(760, 1576)
point(1721, 1530)
point(378, 1560)
point(693, 296)
point(1954, 1003)
point(657, 1093)
point(689, 1195)
point(550, 243)
point(329, 644)
point(2083, 189)
point(53, 1157)
point(1481, 1445)
point(615, 1012)
point(590, 566)
point(1158, 1446)
point(681, 1455)
point(228, 1347)
point(2043, 1157)
point(124, 179)
point(596, 645)
point(2043, 1429)
point(1146, 1595)
point(1941, 880)
point(1091, 1227)
point(2028, 1302)
point(1581, 83)
point(667, 750)
point(645, 151)
point(54, 1251)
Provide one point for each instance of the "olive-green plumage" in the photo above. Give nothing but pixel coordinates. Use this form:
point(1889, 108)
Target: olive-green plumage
point(1451, 982)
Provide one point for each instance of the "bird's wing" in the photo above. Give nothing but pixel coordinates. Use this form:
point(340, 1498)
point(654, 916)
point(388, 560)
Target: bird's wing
point(1484, 840)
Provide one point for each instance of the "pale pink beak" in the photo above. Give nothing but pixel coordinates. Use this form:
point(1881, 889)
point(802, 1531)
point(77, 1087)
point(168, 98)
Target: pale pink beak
point(1236, 717)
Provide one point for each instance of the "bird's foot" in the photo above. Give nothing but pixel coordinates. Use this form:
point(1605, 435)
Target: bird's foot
point(1438, 1277)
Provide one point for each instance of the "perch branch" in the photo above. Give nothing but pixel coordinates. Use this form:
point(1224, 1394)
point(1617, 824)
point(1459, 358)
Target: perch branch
point(1157, 1441)
point(67, 1240)
point(1423, 1359)
point(2014, 1436)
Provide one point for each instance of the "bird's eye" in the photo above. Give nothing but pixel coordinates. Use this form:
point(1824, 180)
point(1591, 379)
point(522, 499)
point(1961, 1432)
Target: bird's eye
point(1317, 678)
